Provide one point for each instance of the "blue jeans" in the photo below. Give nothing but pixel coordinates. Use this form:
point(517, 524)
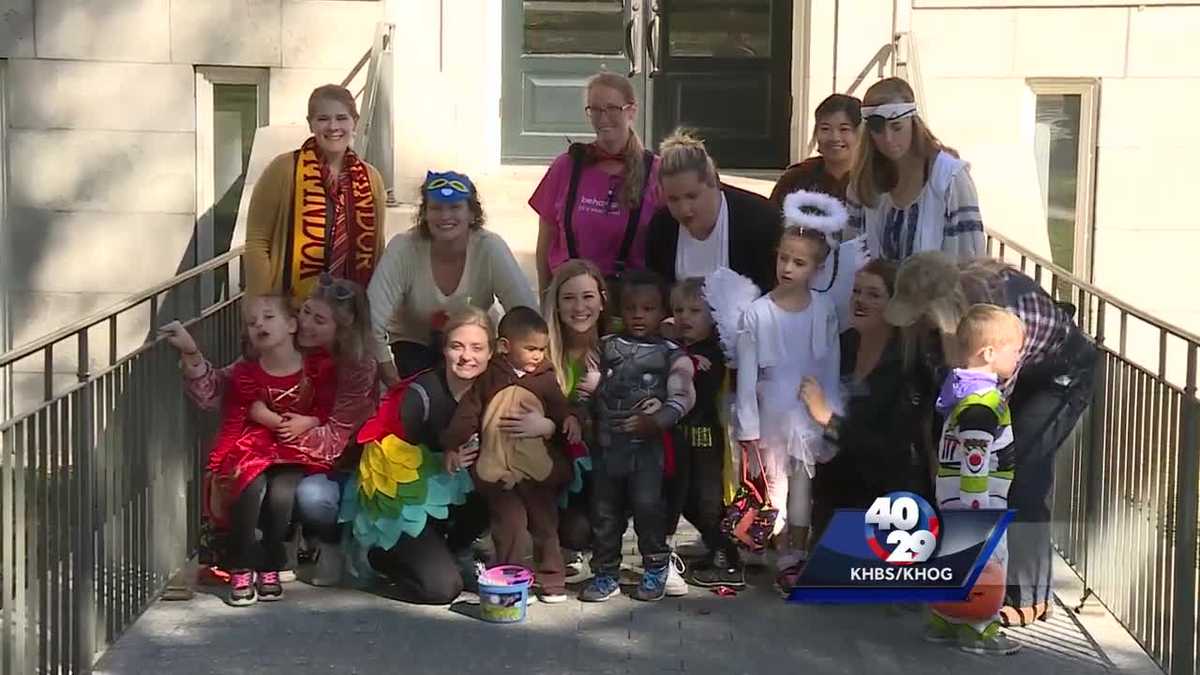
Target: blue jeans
point(318, 499)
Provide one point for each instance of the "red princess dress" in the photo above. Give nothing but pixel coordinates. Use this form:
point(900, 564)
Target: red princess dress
point(245, 449)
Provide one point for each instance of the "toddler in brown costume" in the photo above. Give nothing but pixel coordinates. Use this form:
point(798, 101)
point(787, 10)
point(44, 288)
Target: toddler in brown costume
point(520, 478)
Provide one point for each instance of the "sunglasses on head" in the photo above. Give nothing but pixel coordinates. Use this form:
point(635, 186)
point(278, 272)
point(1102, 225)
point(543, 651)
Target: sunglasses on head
point(339, 291)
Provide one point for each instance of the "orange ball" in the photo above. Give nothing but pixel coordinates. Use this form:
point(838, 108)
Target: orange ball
point(984, 600)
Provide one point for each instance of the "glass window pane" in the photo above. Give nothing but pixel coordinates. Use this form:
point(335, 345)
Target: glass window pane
point(574, 27)
point(235, 119)
point(1056, 144)
point(720, 28)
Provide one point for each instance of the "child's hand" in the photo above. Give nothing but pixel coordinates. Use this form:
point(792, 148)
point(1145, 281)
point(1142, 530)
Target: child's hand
point(572, 430)
point(640, 425)
point(293, 426)
point(814, 399)
point(261, 414)
point(703, 364)
point(178, 337)
point(649, 406)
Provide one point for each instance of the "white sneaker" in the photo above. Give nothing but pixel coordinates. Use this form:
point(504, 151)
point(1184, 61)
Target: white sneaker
point(287, 576)
point(676, 586)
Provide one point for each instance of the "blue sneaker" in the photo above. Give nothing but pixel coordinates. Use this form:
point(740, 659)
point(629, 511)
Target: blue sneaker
point(603, 587)
point(654, 584)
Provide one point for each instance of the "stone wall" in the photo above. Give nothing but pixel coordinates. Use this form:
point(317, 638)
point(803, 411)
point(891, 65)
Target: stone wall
point(101, 137)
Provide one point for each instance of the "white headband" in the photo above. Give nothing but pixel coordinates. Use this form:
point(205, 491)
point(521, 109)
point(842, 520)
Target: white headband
point(815, 211)
point(889, 111)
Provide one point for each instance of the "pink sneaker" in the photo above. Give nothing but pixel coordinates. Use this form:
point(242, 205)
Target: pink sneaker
point(241, 588)
point(269, 588)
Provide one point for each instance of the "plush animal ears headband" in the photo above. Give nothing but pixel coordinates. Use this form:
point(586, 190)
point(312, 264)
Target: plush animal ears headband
point(878, 115)
point(448, 187)
point(815, 211)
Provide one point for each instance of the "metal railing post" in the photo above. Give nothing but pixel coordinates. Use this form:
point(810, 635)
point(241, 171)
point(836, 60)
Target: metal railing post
point(83, 562)
point(1183, 606)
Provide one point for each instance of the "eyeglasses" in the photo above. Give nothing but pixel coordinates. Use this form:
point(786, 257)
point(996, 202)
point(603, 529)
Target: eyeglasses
point(340, 291)
point(439, 183)
point(610, 110)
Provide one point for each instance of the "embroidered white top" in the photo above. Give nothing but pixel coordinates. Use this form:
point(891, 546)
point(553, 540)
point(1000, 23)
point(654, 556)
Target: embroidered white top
point(945, 216)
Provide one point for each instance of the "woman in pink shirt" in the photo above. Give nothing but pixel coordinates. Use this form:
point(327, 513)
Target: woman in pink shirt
point(597, 198)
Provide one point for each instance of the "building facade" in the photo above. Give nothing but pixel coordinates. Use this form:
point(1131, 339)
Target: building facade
point(127, 125)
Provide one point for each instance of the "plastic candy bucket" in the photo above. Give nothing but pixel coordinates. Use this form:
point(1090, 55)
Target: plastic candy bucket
point(504, 593)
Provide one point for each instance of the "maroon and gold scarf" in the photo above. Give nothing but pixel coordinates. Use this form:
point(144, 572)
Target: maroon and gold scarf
point(334, 229)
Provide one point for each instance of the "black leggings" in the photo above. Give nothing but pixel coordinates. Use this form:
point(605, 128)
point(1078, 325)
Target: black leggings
point(266, 504)
point(423, 569)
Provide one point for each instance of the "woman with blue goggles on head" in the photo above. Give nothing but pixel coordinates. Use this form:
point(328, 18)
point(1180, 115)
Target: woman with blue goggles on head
point(446, 261)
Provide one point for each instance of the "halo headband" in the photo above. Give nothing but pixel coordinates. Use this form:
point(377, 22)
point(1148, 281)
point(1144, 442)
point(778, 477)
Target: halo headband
point(815, 211)
point(877, 115)
point(448, 187)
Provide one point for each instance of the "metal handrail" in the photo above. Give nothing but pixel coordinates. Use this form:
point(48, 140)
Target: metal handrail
point(1091, 289)
point(111, 312)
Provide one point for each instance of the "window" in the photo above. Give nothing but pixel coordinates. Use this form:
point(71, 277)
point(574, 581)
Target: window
point(231, 104)
point(1064, 147)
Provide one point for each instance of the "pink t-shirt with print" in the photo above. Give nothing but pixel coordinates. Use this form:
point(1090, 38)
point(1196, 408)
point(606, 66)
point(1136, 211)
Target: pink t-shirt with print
point(599, 220)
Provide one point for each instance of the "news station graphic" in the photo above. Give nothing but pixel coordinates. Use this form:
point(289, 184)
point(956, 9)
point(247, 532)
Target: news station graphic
point(901, 550)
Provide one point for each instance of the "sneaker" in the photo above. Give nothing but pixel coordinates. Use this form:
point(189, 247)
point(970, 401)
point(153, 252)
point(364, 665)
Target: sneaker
point(940, 631)
point(787, 579)
point(603, 587)
point(548, 598)
point(996, 644)
point(578, 569)
point(286, 576)
point(320, 565)
point(718, 570)
point(268, 586)
point(675, 586)
point(241, 588)
point(470, 568)
point(654, 585)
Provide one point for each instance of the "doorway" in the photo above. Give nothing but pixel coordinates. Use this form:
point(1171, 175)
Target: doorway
point(719, 67)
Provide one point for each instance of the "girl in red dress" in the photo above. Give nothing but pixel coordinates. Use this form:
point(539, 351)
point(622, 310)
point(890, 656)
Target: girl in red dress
point(270, 399)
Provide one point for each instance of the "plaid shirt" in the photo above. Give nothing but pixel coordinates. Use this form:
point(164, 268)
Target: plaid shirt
point(1046, 326)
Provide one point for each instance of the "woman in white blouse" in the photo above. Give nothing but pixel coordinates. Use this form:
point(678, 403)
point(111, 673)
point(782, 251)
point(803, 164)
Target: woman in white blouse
point(446, 261)
point(908, 192)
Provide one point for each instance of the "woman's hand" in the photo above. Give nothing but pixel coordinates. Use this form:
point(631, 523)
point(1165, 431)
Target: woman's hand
point(814, 399)
point(294, 425)
point(178, 337)
point(528, 423)
point(464, 456)
point(703, 364)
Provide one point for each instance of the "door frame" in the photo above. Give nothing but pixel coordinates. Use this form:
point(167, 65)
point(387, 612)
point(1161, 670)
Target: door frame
point(206, 78)
point(6, 250)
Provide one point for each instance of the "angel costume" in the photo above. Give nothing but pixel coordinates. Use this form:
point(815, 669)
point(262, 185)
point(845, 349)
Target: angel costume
point(774, 350)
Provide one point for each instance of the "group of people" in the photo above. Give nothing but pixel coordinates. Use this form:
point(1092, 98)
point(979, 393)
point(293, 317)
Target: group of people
point(842, 339)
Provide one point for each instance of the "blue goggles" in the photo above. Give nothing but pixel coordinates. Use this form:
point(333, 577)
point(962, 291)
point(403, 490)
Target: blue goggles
point(448, 187)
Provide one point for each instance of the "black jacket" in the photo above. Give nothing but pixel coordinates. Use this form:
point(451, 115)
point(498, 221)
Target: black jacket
point(883, 440)
point(755, 225)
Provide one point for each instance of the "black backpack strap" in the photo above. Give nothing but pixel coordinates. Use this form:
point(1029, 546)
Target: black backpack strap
point(635, 214)
point(576, 151)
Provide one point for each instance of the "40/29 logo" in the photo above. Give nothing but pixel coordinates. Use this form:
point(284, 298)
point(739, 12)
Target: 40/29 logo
point(902, 528)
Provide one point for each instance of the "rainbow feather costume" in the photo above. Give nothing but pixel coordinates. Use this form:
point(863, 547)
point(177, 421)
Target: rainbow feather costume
point(398, 485)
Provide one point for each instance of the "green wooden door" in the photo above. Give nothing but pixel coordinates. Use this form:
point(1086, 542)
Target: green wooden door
point(550, 49)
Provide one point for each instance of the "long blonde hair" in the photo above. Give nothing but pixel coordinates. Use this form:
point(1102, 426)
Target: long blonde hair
point(570, 269)
point(631, 191)
point(873, 174)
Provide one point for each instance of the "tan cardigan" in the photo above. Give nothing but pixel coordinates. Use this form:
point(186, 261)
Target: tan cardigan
point(267, 223)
